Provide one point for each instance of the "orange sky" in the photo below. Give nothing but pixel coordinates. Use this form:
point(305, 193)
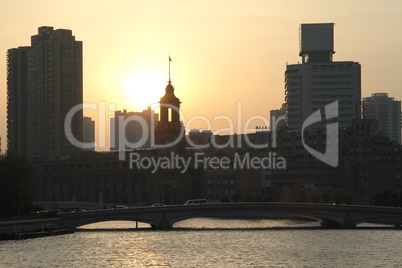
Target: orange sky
point(222, 51)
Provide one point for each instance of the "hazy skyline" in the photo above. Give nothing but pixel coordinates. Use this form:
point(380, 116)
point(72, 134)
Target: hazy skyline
point(222, 51)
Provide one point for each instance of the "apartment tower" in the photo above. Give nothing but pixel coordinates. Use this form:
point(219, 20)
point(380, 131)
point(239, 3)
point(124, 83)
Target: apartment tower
point(44, 81)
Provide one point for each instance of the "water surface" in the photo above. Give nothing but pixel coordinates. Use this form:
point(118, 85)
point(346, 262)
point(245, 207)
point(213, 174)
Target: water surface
point(206, 242)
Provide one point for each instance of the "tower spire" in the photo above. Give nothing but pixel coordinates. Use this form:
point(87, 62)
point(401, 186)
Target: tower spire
point(170, 60)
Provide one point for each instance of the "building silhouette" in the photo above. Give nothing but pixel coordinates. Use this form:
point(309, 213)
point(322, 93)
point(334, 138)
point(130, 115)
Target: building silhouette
point(319, 80)
point(275, 117)
point(197, 137)
point(88, 127)
point(388, 113)
point(128, 128)
point(44, 81)
point(17, 100)
point(169, 129)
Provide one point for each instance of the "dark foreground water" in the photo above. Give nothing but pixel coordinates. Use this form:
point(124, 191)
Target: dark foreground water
point(210, 243)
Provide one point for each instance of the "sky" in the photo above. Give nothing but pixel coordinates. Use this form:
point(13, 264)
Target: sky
point(228, 56)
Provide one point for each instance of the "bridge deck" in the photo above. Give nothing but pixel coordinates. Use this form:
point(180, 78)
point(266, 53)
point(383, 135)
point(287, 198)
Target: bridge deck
point(344, 216)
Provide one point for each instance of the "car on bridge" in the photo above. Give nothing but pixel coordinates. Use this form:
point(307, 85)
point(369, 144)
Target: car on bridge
point(78, 210)
point(119, 206)
point(158, 205)
point(196, 202)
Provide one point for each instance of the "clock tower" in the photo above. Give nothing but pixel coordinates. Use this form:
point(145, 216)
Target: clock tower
point(169, 130)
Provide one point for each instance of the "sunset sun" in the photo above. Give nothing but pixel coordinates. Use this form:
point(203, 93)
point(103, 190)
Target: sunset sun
point(142, 88)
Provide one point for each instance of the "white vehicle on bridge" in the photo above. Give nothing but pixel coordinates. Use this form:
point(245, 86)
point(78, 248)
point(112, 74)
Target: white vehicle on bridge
point(196, 202)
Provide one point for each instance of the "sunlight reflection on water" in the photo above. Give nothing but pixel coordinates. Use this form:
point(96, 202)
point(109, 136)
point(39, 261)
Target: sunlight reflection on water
point(206, 242)
point(207, 223)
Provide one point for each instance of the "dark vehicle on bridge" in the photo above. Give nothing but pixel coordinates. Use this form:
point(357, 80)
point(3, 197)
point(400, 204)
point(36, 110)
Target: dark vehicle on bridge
point(119, 206)
point(79, 210)
point(196, 202)
point(158, 205)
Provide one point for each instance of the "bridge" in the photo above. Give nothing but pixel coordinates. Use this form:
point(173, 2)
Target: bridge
point(163, 217)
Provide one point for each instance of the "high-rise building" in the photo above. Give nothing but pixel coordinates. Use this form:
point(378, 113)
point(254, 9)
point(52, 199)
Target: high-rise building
point(318, 80)
point(388, 113)
point(88, 136)
point(17, 100)
point(132, 130)
point(44, 81)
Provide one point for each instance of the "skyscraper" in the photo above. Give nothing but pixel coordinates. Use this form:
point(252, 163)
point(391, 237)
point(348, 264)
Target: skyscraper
point(44, 81)
point(388, 113)
point(319, 80)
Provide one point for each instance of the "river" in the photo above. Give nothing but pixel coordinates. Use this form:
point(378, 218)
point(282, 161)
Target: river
point(206, 242)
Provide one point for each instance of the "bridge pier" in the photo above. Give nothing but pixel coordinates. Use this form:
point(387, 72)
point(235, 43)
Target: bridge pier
point(347, 223)
point(163, 224)
point(337, 225)
point(330, 224)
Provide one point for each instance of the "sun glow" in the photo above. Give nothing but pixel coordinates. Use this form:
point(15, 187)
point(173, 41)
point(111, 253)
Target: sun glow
point(143, 88)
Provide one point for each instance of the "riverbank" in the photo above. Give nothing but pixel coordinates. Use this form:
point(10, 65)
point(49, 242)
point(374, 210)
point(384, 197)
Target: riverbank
point(23, 229)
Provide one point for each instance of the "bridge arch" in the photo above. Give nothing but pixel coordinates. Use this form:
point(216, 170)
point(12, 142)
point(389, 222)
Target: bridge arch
point(81, 219)
point(324, 220)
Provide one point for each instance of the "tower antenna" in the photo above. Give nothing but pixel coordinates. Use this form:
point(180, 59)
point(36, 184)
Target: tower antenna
point(170, 60)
